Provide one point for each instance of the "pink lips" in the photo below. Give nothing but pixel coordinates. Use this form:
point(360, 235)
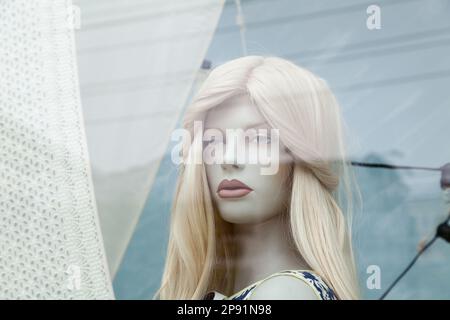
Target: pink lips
point(233, 189)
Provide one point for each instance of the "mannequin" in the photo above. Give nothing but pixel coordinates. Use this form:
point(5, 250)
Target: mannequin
point(256, 217)
point(238, 232)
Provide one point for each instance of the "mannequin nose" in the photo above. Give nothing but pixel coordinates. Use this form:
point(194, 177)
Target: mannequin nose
point(230, 160)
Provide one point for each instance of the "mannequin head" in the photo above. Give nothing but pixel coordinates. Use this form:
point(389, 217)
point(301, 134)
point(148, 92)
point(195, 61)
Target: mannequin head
point(311, 185)
point(268, 193)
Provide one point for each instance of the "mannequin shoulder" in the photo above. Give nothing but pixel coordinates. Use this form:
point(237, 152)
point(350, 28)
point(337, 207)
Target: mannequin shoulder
point(283, 287)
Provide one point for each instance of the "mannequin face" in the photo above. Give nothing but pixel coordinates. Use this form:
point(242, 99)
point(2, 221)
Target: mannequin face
point(261, 197)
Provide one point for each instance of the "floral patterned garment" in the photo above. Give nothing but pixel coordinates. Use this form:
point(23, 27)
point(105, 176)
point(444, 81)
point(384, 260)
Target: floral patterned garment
point(322, 290)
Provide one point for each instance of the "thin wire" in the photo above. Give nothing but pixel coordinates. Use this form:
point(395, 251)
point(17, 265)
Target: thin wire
point(408, 267)
point(240, 21)
point(411, 264)
point(391, 166)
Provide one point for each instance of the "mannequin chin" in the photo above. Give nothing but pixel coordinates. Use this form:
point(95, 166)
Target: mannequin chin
point(245, 195)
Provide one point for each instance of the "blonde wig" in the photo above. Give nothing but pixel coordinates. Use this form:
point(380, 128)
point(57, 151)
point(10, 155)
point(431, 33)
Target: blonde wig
point(300, 104)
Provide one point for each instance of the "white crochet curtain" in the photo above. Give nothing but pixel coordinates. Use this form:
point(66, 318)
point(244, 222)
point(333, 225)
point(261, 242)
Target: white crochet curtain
point(138, 60)
point(50, 241)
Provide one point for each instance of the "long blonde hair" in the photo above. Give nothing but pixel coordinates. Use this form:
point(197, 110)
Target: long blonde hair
point(300, 104)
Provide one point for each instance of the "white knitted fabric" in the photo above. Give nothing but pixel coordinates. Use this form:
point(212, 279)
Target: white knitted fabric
point(50, 241)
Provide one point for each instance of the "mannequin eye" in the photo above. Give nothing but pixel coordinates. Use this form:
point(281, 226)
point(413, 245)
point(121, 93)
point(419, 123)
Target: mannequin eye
point(261, 139)
point(211, 141)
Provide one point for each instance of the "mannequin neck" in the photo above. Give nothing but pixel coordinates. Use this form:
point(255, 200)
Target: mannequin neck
point(263, 249)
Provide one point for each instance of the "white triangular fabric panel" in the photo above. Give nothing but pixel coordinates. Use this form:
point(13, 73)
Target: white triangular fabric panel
point(50, 241)
point(138, 60)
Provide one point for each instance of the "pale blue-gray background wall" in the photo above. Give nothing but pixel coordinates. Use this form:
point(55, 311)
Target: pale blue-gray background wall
point(393, 85)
